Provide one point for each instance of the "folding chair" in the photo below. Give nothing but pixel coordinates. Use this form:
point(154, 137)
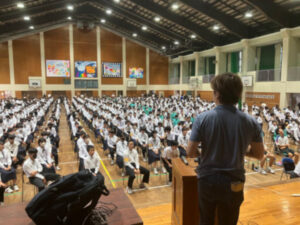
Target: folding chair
point(288, 167)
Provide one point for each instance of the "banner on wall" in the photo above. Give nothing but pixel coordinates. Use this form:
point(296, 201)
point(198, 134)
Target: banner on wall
point(86, 69)
point(58, 68)
point(111, 69)
point(136, 72)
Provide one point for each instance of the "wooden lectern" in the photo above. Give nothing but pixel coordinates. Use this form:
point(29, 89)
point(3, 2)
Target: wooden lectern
point(185, 209)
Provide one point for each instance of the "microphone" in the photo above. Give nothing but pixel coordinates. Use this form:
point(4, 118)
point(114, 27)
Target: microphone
point(184, 160)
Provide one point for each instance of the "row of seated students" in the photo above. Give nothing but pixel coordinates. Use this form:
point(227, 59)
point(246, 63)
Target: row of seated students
point(124, 148)
point(19, 123)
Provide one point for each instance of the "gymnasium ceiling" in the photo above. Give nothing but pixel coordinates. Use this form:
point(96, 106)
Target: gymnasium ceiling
point(169, 26)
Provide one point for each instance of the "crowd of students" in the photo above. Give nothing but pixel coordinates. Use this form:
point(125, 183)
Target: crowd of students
point(157, 129)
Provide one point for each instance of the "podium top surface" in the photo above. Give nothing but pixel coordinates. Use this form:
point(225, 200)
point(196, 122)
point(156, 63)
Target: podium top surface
point(185, 170)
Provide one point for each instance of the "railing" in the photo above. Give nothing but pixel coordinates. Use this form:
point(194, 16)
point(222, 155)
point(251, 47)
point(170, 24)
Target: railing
point(207, 78)
point(293, 73)
point(174, 80)
point(268, 75)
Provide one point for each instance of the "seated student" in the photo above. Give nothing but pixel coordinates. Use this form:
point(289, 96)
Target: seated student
point(132, 167)
point(160, 132)
point(112, 140)
point(34, 171)
point(143, 142)
point(7, 172)
point(271, 157)
point(167, 155)
point(183, 140)
point(52, 148)
point(169, 135)
point(104, 132)
point(92, 162)
point(134, 133)
point(121, 149)
point(82, 152)
point(283, 145)
point(21, 151)
point(154, 151)
point(44, 157)
point(12, 146)
point(296, 172)
point(2, 190)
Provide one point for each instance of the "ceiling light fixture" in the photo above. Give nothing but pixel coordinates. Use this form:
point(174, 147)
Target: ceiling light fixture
point(134, 35)
point(144, 28)
point(156, 19)
point(20, 5)
point(70, 7)
point(175, 6)
point(27, 18)
point(176, 42)
point(69, 18)
point(108, 11)
point(31, 27)
point(116, 1)
point(216, 27)
point(193, 36)
point(102, 20)
point(163, 47)
point(248, 14)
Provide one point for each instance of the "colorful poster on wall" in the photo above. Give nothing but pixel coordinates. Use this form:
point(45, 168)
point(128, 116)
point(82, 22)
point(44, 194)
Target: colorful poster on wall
point(136, 72)
point(86, 69)
point(58, 68)
point(111, 69)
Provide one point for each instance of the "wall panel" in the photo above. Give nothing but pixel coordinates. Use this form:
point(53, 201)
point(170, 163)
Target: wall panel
point(206, 95)
point(4, 64)
point(270, 98)
point(109, 93)
point(85, 45)
point(111, 51)
point(136, 57)
point(27, 58)
point(135, 93)
point(57, 48)
point(159, 68)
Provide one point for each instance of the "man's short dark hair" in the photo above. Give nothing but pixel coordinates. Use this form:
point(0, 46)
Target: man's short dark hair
point(229, 86)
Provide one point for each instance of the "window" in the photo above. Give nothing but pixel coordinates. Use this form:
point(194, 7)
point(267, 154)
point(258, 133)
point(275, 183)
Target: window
point(84, 84)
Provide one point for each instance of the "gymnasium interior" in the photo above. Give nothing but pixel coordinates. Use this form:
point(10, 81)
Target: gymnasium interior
point(86, 58)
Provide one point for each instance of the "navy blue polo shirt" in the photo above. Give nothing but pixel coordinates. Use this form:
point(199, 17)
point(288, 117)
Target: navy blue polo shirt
point(225, 134)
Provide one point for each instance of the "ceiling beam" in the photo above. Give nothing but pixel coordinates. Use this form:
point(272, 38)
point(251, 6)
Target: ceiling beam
point(204, 33)
point(142, 20)
point(275, 12)
point(233, 25)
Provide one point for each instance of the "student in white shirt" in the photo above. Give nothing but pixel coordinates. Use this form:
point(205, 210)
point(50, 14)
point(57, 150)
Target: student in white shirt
point(6, 170)
point(154, 151)
point(83, 153)
point(132, 167)
point(283, 145)
point(112, 144)
point(167, 155)
point(121, 149)
point(34, 171)
point(12, 146)
point(44, 157)
point(296, 172)
point(183, 140)
point(170, 136)
point(143, 142)
point(92, 162)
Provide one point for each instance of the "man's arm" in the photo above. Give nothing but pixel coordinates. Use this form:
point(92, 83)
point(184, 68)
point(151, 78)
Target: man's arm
point(192, 149)
point(257, 150)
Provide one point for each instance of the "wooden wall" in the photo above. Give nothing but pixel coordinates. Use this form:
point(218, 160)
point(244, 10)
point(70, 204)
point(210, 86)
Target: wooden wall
point(136, 57)
point(85, 45)
point(4, 64)
point(111, 51)
point(135, 93)
point(109, 93)
point(270, 98)
point(27, 58)
point(57, 48)
point(159, 68)
point(206, 95)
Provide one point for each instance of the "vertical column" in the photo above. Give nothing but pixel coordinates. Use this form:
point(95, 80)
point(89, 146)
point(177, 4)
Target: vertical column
point(11, 66)
point(248, 61)
point(147, 70)
point(286, 44)
point(180, 74)
point(220, 61)
point(196, 69)
point(124, 69)
point(43, 66)
point(99, 71)
point(72, 59)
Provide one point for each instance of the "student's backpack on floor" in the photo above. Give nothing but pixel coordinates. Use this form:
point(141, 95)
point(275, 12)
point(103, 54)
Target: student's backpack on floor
point(67, 201)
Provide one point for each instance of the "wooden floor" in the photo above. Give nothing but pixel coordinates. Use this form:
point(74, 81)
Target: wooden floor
point(154, 205)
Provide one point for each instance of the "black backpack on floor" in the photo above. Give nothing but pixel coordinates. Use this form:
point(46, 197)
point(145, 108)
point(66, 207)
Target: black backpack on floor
point(67, 201)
